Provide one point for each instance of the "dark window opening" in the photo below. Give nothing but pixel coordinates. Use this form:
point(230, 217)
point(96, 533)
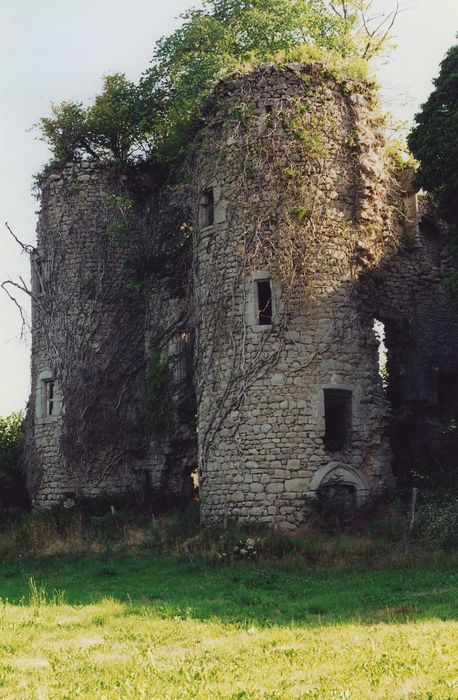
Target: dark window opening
point(268, 109)
point(183, 356)
point(49, 397)
point(264, 310)
point(341, 496)
point(207, 208)
point(396, 351)
point(338, 418)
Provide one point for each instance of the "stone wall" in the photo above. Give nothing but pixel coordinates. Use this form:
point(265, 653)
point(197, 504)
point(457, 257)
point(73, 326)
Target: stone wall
point(261, 390)
point(87, 333)
point(98, 315)
point(303, 236)
point(407, 294)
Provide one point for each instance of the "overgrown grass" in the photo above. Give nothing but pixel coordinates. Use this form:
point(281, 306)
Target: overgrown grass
point(154, 627)
point(101, 605)
point(372, 542)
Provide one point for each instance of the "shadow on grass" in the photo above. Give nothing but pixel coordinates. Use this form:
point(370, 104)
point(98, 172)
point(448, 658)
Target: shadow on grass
point(242, 593)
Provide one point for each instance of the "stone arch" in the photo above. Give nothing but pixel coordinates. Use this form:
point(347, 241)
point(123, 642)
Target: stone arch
point(343, 474)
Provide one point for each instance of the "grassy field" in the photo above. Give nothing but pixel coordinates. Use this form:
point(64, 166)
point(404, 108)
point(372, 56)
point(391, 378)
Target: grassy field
point(153, 627)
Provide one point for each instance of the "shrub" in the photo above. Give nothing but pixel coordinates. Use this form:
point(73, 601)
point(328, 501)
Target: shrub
point(13, 493)
point(437, 520)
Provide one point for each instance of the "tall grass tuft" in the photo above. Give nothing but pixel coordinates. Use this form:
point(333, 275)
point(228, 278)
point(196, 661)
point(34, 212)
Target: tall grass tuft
point(39, 597)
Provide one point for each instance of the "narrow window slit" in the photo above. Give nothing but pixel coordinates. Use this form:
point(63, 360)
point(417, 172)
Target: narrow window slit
point(207, 208)
point(49, 397)
point(264, 310)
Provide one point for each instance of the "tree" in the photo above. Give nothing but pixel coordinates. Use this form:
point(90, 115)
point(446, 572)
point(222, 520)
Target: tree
point(434, 140)
point(158, 117)
point(366, 31)
point(226, 35)
point(12, 486)
point(115, 127)
point(64, 131)
point(230, 34)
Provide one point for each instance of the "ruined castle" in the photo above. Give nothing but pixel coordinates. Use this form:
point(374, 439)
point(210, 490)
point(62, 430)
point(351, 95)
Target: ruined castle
point(227, 321)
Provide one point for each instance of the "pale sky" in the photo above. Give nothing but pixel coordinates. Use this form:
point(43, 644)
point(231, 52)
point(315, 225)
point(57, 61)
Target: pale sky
point(54, 50)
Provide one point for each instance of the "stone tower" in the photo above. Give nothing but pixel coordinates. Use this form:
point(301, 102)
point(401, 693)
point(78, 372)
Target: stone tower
point(289, 392)
point(87, 338)
point(304, 239)
point(94, 333)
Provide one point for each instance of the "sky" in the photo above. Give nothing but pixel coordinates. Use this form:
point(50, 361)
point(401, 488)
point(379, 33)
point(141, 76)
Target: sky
point(55, 50)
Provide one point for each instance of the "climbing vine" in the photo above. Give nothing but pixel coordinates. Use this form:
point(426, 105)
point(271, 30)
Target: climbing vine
point(278, 177)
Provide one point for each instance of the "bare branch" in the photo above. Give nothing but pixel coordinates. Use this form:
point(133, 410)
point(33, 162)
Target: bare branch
point(26, 248)
point(25, 323)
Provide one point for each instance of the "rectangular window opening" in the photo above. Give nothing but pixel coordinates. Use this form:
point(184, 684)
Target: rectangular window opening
point(183, 356)
point(264, 302)
point(207, 208)
point(49, 397)
point(338, 419)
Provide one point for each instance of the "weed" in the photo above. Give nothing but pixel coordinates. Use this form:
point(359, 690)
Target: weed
point(39, 596)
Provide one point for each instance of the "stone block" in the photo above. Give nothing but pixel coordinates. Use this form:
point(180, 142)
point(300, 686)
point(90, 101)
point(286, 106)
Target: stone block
point(274, 488)
point(297, 484)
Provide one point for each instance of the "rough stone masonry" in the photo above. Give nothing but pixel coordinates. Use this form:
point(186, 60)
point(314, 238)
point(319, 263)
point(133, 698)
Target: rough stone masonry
point(305, 237)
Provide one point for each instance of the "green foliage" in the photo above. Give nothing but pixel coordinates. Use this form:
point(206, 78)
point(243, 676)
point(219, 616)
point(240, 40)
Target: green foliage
point(121, 118)
point(434, 142)
point(158, 117)
point(40, 597)
point(340, 67)
point(12, 487)
point(140, 260)
point(434, 139)
point(300, 213)
point(308, 134)
point(227, 35)
point(437, 520)
point(65, 131)
point(116, 127)
point(400, 155)
point(292, 173)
